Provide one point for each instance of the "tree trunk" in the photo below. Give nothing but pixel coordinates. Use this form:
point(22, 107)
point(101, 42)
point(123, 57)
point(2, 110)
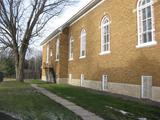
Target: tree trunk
point(20, 68)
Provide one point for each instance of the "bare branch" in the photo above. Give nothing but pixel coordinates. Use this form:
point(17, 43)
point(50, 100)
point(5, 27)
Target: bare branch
point(22, 21)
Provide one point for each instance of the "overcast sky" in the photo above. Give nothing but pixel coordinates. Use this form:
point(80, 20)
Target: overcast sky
point(58, 21)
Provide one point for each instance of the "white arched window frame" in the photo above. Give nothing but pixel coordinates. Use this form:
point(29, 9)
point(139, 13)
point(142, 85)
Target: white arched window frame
point(57, 49)
point(71, 41)
point(47, 57)
point(145, 22)
point(83, 44)
point(105, 36)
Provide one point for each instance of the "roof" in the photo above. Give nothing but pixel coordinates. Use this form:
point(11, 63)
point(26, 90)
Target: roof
point(71, 20)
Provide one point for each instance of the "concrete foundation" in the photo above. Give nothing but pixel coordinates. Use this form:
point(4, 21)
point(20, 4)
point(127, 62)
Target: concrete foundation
point(119, 88)
point(44, 78)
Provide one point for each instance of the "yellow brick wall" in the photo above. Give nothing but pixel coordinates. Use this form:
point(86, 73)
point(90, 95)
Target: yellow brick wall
point(61, 66)
point(64, 54)
point(52, 59)
point(125, 63)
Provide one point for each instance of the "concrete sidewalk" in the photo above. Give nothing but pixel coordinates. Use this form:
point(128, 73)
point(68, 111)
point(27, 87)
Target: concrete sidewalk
point(84, 114)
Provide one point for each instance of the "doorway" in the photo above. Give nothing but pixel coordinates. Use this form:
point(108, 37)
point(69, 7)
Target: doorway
point(50, 75)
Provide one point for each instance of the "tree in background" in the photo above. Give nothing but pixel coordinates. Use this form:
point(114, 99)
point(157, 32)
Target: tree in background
point(7, 65)
point(21, 21)
point(34, 63)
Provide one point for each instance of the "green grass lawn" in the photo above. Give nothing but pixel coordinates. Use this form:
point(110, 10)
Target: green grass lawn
point(105, 105)
point(23, 101)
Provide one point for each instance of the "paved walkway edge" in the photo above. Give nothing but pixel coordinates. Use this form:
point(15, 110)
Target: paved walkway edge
point(84, 114)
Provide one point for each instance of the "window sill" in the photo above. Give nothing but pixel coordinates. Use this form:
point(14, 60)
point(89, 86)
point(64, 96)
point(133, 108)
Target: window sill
point(57, 60)
point(71, 59)
point(150, 44)
point(105, 53)
point(82, 57)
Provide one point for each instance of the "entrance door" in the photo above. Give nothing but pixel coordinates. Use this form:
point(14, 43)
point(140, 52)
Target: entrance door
point(47, 75)
point(104, 82)
point(50, 75)
point(146, 87)
point(51, 79)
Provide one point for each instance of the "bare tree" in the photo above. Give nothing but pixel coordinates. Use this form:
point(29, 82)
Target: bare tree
point(23, 20)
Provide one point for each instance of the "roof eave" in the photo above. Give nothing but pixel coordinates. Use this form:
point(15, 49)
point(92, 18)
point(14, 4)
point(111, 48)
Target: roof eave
point(71, 20)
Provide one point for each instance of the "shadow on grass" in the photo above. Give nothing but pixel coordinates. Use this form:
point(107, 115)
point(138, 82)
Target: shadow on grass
point(6, 117)
point(101, 103)
point(23, 101)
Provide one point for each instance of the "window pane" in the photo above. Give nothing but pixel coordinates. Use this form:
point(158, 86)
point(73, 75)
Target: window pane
point(145, 21)
point(71, 52)
point(83, 43)
point(83, 53)
point(105, 34)
point(70, 49)
point(144, 26)
point(149, 36)
point(149, 24)
point(148, 1)
point(105, 29)
point(105, 48)
point(108, 47)
point(144, 38)
point(143, 2)
point(149, 11)
point(107, 37)
point(57, 49)
point(144, 13)
point(105, 21)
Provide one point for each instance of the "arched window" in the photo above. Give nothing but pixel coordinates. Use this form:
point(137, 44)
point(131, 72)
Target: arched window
point(105, 36)
point(83, 44)
point(71, 48)
point(57, 49)
point(145, 19)
point(47, 59)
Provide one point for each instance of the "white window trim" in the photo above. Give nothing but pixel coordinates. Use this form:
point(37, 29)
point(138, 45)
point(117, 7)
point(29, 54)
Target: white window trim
point(70, 77)
point(51, 53)
point(70, 42)
point(57, 49)
point(70, 59)
point(105, 53)
point(81, 80)
point(142, 85)
point(102, 36)
point(149, 44)
point(82, 57)
point(83, 33)
point(47, 57)
point(103, 82)
point(153, 42)
point(57, 60)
